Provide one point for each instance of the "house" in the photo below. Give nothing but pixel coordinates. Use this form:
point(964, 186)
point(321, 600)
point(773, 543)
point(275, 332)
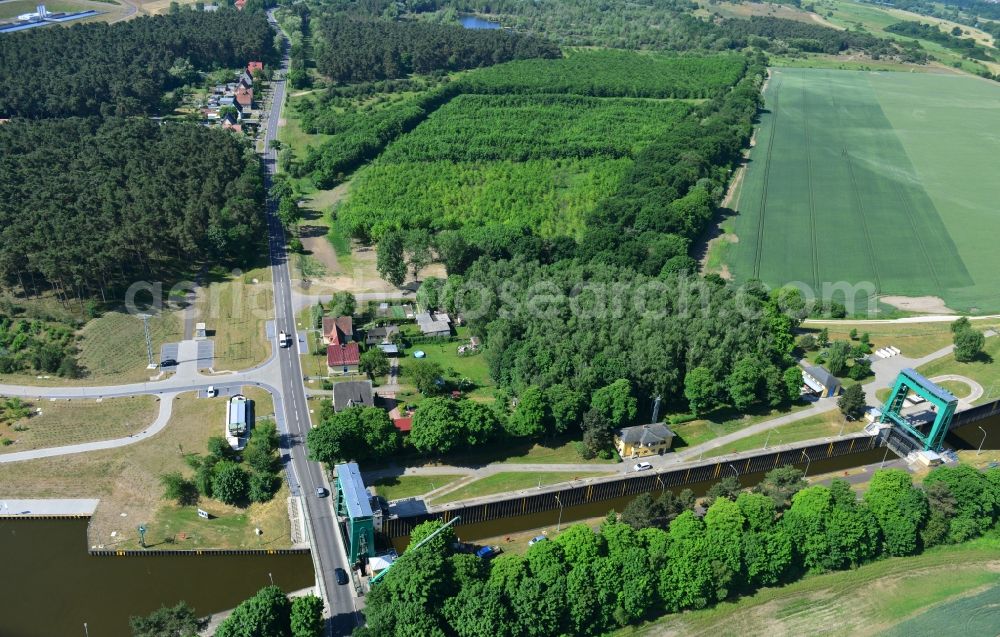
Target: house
point(246, 80)
point(643, 440)
point(244, 97)
point(240, 4)
point(432, 324)
point(342, 359)
point(254, 66)
point(820, 381)
point(230, 122)
point(338, 330)
point(404, 425)
point(381, 334)
point(352, 394)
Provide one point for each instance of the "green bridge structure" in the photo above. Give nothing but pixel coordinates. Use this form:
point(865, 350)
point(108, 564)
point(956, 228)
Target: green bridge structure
point(907, 435)
point(355, 509)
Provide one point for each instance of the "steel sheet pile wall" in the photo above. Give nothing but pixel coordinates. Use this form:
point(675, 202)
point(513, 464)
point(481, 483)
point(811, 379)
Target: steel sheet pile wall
point(602, 490)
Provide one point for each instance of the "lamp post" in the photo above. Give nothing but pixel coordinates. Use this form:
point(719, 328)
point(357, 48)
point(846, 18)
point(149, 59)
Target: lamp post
point(769, 432)
point(981, 442)
point(142, 536)
point(270, 577)
point(808, 462)
point(884, 456)
point(85, 631)
point(735, 469)
point(559, 524)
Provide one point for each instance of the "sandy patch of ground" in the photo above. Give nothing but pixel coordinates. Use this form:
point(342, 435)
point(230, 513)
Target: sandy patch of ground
point(920, 304)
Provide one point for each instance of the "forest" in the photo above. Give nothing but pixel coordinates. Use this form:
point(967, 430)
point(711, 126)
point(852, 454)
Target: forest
point(523, 127)
point(123, 68)
point(661, 557)
point(608, 73)
point(353, 50)
point(87, 206)
point(932, 33)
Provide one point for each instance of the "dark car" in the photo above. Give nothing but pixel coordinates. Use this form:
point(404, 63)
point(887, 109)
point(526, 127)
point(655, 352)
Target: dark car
point(168, 362)
point(341, 576)
point(321, 492)
point(489, 552)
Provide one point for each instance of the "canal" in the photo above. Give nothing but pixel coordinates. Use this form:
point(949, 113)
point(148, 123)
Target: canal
point(970, 436)
point(51, 586)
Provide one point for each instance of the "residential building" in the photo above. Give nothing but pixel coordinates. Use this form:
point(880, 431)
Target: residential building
point(382, 334)
point(342, 359)
point(404, 424)
point(254, 66)
point(820, 381)
point(643, 440)
point(338, 330)
point(244, 97)
point(434, 324)
point(352, 394)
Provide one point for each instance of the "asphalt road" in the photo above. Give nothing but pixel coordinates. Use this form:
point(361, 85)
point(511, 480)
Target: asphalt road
point(325, 536)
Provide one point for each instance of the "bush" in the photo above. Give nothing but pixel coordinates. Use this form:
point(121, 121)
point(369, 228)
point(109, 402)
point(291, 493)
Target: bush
point(179, 489)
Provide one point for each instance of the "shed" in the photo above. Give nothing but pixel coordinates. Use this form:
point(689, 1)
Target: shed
point(820, 380)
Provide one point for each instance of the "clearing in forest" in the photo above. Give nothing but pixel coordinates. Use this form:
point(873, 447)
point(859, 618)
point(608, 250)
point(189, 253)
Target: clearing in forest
point(880, 178)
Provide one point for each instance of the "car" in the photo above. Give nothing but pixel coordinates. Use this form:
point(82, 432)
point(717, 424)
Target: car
point(321, 492)
point(488, 552)
point(168, 362)
point(642, 466)
point(211, 392)
point(538, 538)
point(341, 575)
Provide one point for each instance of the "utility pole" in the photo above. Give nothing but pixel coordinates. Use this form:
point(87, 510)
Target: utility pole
point(149, 342)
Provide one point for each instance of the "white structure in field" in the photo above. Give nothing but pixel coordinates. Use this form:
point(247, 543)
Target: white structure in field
point(236, 421)
point(40, 14)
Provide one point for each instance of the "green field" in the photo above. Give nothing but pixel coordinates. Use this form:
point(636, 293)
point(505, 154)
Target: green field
point(874, 178)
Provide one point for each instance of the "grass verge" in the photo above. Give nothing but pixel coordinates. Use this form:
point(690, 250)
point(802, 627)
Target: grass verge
point(823, 425)
point(985, 370)
point(511, 481)
point(67, 422)
point(401, 487)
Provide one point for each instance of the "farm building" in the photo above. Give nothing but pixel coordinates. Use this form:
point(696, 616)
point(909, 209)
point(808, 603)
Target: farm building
point(352, 394)
point(643, 440)
point(434, 324)
point(820, 381)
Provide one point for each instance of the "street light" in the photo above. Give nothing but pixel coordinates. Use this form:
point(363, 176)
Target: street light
point(735, 469)
point(980, 450)
point(271, 577)
point(884, 456)
point(808, 462)
point(769, 432)
point(559, 524)
point(85, 631)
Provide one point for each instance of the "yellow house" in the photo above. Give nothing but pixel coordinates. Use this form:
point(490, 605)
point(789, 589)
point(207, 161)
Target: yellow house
point(643, 440)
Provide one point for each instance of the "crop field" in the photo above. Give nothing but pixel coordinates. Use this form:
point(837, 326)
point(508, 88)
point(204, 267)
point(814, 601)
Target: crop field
point(540, 162)
point(880, 179)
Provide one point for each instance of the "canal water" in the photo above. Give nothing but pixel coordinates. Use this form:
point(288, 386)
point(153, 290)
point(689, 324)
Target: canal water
point(50, 586)
point(970, 436)
point(473, 22)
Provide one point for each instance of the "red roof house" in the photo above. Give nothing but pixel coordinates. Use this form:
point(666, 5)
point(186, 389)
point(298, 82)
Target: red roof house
point(342, 359)
point(240, 4)
point(404, 425)
point(338, 330)
point(253, 66)
point(244, 96)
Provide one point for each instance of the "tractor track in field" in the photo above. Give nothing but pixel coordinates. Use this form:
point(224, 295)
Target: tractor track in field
point(857, 198)
point(920, 242)
point(809, 185)
point(767, 170)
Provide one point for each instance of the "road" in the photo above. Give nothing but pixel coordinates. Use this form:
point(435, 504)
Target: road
point(327, 545)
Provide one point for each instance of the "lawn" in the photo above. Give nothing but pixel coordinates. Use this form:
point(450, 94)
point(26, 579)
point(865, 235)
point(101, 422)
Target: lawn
point(824, 425)
point(913, 339)
point(725, 421)
point(869, 600)
point(401, 487)
point(879, 181)
point(67, 422)
point(236, 308)
point(511, 481)
point(985, 370)
point(472, 368)
point(127, 481)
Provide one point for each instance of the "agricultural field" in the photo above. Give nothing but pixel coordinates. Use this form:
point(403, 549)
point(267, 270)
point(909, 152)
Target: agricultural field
point(879, 179)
